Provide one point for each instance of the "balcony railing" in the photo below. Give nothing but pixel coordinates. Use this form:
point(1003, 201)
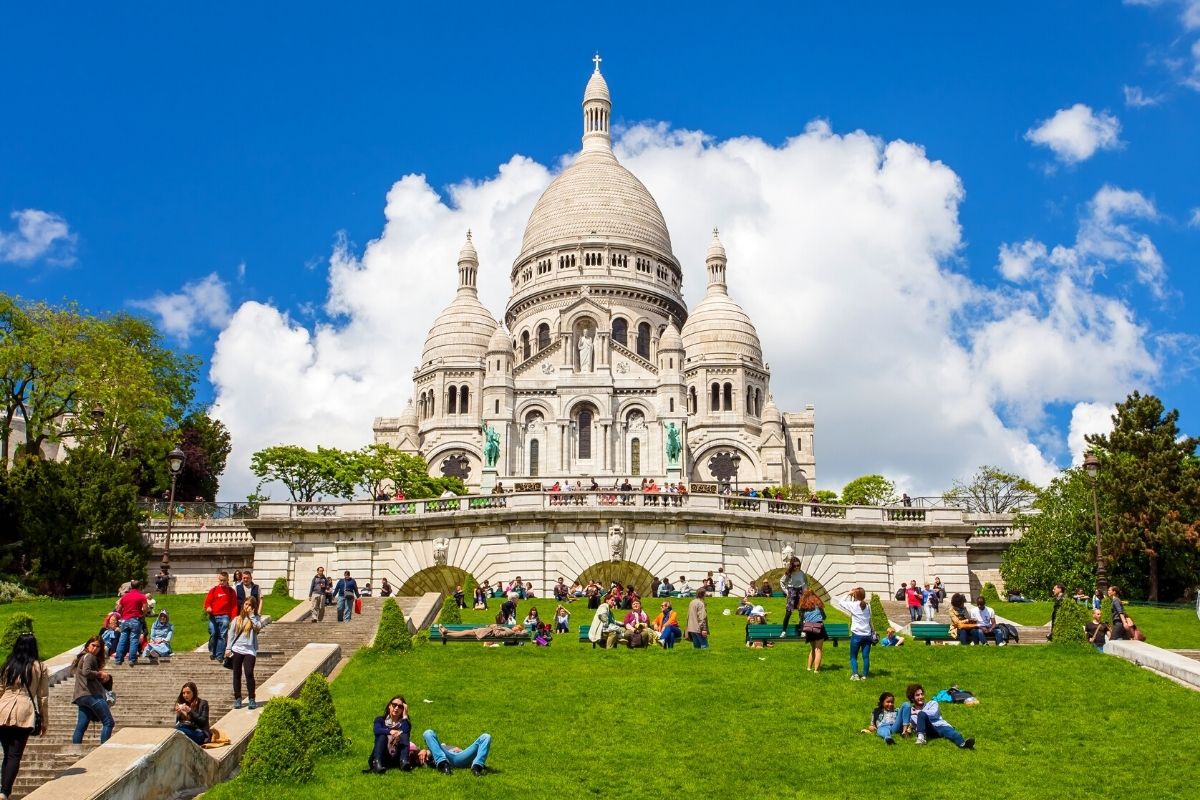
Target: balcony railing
point(157, 509)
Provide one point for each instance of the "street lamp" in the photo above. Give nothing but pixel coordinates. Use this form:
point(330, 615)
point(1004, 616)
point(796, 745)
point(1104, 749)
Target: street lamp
point(1092, 465)
point(175, 460)
point(736, 459)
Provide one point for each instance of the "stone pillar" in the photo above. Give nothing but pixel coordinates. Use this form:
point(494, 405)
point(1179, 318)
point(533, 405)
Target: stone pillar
point(527, 558)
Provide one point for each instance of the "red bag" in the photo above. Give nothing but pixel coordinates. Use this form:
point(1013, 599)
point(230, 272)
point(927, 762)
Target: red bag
point(358, 605)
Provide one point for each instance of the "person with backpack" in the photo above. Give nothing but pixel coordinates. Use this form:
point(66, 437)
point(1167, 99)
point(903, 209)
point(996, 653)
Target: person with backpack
point(346, 592)
point(24, 694)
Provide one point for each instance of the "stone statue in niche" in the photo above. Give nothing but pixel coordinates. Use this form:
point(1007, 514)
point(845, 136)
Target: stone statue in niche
point(674, 446)
point(586, 349)
point(788, 552)
point(616, 542)
point(441, 547)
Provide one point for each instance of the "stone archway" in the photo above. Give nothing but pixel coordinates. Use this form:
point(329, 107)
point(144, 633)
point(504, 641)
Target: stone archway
point(441, 579)
point(774, 575)
point(627, 573)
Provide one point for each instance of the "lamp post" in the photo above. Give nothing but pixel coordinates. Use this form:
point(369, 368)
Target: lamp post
point(1092, 465)
point(736, 460)
point(175, 460)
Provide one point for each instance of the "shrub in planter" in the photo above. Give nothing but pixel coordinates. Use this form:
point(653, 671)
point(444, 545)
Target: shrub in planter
point(1068, 624)
point(279, 751)
point(393, 635)
point(319, 718)
point(878, 616)
point(280, 588)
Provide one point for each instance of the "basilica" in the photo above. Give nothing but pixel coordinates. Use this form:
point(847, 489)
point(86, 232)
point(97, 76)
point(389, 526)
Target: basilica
point(599, 370)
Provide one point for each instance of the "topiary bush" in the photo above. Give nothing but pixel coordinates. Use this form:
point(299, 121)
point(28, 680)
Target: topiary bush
point(1068, 624)
point(280, 588)
point(450, 615)
point(879, 616)
point(320, 720)
point(17, 624)
point(990, 594)
point(279, 751)
point(393, 635)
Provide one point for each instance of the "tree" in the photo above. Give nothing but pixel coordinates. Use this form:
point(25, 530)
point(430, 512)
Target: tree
point(305, 474)
point(869, 490)
point(1058, 542)
point(206, 445)
point(1149, 479)
point(991, 490)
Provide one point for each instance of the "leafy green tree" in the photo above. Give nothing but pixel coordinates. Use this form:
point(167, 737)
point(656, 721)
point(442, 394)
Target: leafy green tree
point(1150, 481)
point(824, 496)
point(869, 490)
point(1058, 542)
point(206, 445)
point(991, 490)
point(305, 473)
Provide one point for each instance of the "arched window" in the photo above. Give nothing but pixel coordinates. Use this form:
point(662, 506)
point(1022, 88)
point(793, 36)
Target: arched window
point(525, 351)
point(643, 340)
point(533, 458)
point(421, 406)
point(543, 336)
point(691, 399)
point(729, 397)
point(758, 402)
point(716, 397)
point(585, 433)
point(635, 457)
point(671, 404)
point(452, 400)
point(620, 332)
point(463, 403)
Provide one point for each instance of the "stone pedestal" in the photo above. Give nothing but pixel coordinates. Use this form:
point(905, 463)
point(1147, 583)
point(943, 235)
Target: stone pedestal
point(674, 474)
point(488, 482)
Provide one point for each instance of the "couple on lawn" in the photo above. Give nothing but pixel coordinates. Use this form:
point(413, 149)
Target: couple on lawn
point(393, 748)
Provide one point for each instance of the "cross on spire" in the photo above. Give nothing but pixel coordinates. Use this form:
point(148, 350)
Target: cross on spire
point(596, 59)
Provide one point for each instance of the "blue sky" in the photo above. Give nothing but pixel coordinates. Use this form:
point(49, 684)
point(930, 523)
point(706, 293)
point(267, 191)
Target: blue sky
point(224, 171)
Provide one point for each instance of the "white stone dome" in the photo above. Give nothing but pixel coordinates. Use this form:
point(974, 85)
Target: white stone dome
point(408, 419)
point(770, 412)
point(670, 339)
point(461, 333)
point(597, 88)
point(718, 329)
point(596, 199)
point(500, 343)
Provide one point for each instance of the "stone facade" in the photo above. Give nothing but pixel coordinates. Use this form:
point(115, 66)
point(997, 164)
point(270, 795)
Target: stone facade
point(598, 369)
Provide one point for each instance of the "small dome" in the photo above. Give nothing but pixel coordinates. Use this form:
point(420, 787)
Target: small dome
point(468, 253)
point(500, 342)
point(718, 329)
point(461, 333)
point(715, 248)
point(409, 418)
point(770, 412)
point(597, 88)
point(670, 339)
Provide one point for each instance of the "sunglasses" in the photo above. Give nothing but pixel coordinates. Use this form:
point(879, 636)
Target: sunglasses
point(395, 705)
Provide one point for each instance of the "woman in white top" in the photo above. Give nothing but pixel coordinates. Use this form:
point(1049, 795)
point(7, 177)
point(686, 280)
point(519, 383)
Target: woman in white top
point(243, 649)
point(855, 604)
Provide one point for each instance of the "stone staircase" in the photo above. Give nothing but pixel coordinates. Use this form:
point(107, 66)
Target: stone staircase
point(897, 612)
point(146, 693)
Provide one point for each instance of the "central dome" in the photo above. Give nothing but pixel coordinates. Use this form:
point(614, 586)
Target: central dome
point(596, 198)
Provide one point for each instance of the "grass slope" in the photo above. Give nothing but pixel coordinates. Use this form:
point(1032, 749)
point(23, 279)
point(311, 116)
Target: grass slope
point(1172, 628)
point(63, 624)
point(569, 721)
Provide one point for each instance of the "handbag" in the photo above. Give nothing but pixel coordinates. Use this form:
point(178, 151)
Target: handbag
point(37, 713)
point(813, 628)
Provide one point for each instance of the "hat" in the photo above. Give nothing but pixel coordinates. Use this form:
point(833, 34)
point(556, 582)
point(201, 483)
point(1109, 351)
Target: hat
point(758, 611)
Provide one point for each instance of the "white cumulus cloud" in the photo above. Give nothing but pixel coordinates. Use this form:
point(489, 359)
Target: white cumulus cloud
point(1075, 134)
point(203, 303)
point(39, 234)
point(1087, 418)
point(842, 249)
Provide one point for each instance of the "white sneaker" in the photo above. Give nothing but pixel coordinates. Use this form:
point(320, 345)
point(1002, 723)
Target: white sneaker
point(1003, 644)
point(854, 676)
point(920, 738)
point(783, 634)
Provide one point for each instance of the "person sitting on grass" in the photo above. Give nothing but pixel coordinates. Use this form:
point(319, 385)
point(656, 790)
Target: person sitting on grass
point(507, 614)
point(765, 590)
point(562, 620)
point(667, 625)
point(744, 606)
point(480, 598)
point(665, 588)
point(159, 641)
point(604, 628)
point(890, 639)
point(392, 733)
point(191, 714)
point(445, 758)
point(757, 616)
point(532, 620)
point(684, 589)
point(961, 623)
point(926, 719)
point(637, 626)
point(885, 719)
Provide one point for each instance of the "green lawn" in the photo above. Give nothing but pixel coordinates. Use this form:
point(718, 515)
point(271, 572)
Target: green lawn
point(64, 624)
point(1172, 628)
point(569, 721)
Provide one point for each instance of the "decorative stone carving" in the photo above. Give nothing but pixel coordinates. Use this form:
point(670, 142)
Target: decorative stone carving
point(547, 369)
point(622, 367)
point(674, 445)
point(441, 547)
point(616, 542)
point(586, 347)
point(491, 447)
point(788, 553)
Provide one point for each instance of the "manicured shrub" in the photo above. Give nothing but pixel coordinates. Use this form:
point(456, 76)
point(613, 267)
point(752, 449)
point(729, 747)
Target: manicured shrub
point(990, 594)
point(17, 624)
point(320, 720)
point(279, 751)
point(393, 635)
point(878, 616)
point(1068, 624)
point(450, 614)
point(280, 587)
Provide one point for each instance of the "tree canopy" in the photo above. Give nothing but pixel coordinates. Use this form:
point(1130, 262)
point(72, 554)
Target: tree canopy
point(869, 490)
point(991, 490)
point(329, 472)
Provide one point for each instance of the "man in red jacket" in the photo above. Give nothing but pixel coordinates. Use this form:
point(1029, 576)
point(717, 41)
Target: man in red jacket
point(131, 607)
point(221, 605)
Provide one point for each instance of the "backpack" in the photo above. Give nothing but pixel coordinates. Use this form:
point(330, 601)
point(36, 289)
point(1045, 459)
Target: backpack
point(899, 594)
point(1010, 632)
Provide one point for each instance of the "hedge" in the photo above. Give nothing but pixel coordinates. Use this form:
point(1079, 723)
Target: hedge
point(1068, 623)
point(392, 635)
point(319, 716)
point(280, 588)
point(279, 751)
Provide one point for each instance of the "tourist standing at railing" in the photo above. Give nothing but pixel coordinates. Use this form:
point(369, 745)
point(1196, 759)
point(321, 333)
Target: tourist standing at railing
point(316, 594)
point(24, 694)
point(246, 587)
point(346, 592)
point(131, 608)
point(221, 605)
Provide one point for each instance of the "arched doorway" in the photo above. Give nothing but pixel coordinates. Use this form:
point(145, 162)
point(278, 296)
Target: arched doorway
point(440, 579)
point(626, 573)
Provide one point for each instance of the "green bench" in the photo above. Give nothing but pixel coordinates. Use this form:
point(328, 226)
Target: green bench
point(930, 632)
point(435, 635)
point(834, 631)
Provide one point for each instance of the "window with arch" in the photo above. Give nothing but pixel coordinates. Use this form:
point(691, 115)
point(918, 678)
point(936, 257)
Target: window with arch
point(421, 406)
point(463, 403)
point(620, 332)
point(533, 458)
point(635, 458)
point(758, 402)
point(643, 340)
point(584, 423)
point(431, 403)
point(497, 411)
point(729, 397)
point(543, 336)
point(452, 400)
point(716, 397)
point(671, 404)
point(749, 400)
point(525, 351)
point(691, 399)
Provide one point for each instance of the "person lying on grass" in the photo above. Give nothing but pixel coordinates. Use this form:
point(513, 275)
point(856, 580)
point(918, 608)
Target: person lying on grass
point(926, 719)
point(486, 632)
point(446, 757)
point(885, 719)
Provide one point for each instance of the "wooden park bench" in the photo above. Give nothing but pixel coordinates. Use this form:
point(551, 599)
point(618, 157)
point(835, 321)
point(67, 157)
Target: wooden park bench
point(930, 632)
point(436, 636)
point(834, 631)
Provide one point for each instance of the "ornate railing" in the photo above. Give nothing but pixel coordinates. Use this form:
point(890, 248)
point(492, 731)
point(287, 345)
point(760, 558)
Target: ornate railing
point(158, 509)
point(197, 537)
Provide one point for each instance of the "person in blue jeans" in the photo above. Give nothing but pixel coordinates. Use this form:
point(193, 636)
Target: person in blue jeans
point(885, 719)
point(89, 691)
point(446, 758)
point(926, 719)
point(855, 604)
point(346, 592)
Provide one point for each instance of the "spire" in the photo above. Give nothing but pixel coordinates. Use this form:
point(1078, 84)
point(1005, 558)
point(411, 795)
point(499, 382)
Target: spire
point(597, 108)
point(468, 266)
point(715, 260)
